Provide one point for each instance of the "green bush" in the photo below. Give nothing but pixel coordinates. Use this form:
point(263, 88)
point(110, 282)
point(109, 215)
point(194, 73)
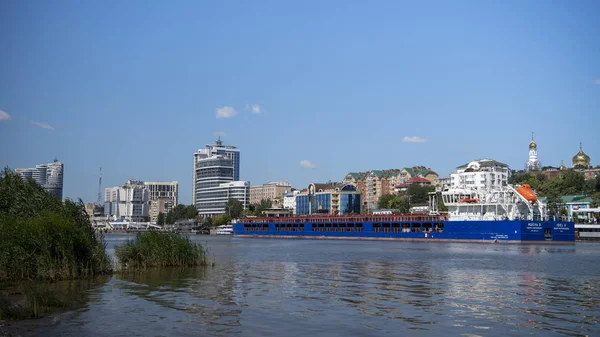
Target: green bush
point(44, 238)
point(156, 249)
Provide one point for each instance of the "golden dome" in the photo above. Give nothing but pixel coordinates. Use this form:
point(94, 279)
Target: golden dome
point(581, 158)
point(562, 166)
point(532, 145)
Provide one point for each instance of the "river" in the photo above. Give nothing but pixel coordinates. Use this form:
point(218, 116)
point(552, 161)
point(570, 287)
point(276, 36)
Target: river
point(269, 287)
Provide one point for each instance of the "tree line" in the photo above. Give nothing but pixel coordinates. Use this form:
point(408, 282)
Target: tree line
point(569, 182)
point(404, 200)
point(233, 210)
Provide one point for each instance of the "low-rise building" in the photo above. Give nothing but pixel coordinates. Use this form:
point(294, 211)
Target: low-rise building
point(480, 173)
point(415, 180)
point(269, 191)
point(333, 199)
point(214, 199)
point(419, 171)
point(278, 212)
point(289, 200)
point(571, 203)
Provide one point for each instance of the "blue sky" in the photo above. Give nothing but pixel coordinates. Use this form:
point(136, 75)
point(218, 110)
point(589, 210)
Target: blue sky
point(135, 87)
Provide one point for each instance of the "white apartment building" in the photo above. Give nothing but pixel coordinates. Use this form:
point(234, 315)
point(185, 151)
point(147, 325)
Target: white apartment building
point(163, 197)
point(289, 200)
point(269, 190)
point(130, 202)
point(480, 174)
point(48, 176)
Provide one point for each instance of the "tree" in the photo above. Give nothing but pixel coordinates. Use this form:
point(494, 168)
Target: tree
point(384, 201)
point(518, 178)
point(419, 194)
point(563, 212)
point(207, 221)
point(261, 206)
point(160, 221)
point(221, 220)
point(190, 212)
point(181, 212)
point(573, 182)
point(399, 202)
point(234, 208)
point(390, 201)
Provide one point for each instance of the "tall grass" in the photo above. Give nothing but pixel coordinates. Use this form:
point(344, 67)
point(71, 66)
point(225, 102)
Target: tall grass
point(155, 249)
point(44, 238)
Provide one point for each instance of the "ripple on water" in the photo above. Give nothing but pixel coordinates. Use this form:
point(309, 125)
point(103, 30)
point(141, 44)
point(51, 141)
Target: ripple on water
point(317, 288)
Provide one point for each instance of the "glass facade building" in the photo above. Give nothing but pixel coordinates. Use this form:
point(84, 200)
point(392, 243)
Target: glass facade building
point(229, 153)
point(335, 200)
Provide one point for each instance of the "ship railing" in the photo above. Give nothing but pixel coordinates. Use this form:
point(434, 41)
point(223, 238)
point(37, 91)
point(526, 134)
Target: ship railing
point(349, 218)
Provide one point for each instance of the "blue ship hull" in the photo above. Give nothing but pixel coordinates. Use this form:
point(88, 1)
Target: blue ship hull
point(509, 231)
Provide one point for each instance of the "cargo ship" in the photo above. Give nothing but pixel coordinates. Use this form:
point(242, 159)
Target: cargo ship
point(482, 207)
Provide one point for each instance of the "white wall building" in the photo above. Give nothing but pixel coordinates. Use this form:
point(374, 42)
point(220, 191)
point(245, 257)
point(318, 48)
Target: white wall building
point(163, 197)
point(48, 176)
point(212, 150)
point(130, 202)
point(480, 174)
point(212, 200)
point(289, 200)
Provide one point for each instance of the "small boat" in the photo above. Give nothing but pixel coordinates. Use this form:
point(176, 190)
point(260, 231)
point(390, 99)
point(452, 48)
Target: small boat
point(225, 230)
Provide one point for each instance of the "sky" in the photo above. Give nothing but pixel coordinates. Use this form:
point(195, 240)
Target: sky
point(307, 90)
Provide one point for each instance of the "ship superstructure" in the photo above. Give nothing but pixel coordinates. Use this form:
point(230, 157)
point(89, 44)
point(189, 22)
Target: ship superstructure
point(479, 190)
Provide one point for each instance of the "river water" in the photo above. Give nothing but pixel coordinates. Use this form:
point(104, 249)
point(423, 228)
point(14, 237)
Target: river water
point(274, 287)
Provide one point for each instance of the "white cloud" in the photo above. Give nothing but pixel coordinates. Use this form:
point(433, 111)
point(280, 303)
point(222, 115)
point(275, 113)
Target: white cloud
point(4, 116)
point(226, 112)
point(220, 133)
point(257, 109)
point(42, 125)
point(307, 164)
point(413, 139)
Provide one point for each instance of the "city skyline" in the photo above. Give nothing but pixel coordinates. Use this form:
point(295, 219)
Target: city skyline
point(336, 88)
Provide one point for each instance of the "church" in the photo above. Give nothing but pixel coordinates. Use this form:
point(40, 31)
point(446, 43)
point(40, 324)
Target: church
point(533, 164)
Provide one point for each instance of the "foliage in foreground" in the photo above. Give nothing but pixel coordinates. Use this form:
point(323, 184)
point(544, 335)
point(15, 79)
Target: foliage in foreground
point(44, 238)
point(156, 249)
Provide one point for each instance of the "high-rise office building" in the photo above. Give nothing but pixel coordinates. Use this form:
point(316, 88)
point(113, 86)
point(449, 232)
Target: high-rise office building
point(215, 180)
point(211, 150)
point(48, 176)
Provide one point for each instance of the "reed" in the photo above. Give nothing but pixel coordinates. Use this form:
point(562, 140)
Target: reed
point(156, 249)
point(44, 238)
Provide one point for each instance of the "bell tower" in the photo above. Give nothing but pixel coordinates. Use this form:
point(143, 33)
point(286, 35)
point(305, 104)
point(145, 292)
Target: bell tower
point(533, 164)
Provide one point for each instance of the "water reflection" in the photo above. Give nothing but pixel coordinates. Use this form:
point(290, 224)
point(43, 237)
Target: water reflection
point(298, 288)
